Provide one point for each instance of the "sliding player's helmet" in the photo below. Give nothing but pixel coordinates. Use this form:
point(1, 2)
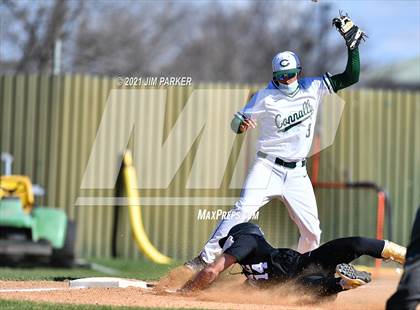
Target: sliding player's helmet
point(242, 229)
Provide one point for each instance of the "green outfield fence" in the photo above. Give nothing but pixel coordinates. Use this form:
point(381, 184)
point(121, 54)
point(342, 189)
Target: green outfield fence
point(49, 124)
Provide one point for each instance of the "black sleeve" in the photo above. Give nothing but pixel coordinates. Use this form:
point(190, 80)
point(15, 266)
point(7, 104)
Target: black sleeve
point(242, 247)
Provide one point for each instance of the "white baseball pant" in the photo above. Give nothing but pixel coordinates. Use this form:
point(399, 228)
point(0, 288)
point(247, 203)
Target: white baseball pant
point(266, 181)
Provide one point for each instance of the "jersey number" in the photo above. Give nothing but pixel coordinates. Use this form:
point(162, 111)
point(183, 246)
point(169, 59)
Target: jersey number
point(259, 268)
point(308, 133)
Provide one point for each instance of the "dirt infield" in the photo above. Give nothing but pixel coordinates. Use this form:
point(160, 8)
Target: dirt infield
point(227, 293)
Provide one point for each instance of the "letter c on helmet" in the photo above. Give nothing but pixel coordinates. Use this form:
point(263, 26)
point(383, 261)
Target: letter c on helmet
point(284, 62)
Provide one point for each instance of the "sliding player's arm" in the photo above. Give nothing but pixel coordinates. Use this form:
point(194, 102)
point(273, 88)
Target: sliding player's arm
point(206, 276)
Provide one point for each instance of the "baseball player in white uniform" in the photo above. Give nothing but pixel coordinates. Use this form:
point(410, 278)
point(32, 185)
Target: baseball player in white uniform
point(285, 111)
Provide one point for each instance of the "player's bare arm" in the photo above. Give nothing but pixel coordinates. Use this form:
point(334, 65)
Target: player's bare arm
point(206, 276)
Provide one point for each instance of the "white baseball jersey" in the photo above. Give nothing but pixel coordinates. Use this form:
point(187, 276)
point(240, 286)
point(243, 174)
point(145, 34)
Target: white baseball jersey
point(286, 125)
point(286, 122)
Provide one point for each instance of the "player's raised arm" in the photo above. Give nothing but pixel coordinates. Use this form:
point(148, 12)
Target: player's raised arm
point(206, 276)
point(352, 35)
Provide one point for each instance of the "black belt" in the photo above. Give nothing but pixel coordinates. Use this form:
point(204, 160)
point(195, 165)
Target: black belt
point(283, 163)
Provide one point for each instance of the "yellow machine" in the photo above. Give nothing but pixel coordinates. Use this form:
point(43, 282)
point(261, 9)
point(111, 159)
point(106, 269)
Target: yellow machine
point(31, 234)
point(18, 186)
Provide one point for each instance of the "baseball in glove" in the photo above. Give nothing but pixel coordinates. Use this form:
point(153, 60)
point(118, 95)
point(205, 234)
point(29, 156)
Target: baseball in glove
point(351, 33)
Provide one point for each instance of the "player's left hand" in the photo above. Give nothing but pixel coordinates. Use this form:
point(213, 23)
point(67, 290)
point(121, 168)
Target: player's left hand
point(351, 33)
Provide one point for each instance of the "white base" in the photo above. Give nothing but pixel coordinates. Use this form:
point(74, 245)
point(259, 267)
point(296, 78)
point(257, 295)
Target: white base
point(108, 282)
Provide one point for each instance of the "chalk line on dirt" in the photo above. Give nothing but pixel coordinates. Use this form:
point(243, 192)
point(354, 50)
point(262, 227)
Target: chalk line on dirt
point(41, 289)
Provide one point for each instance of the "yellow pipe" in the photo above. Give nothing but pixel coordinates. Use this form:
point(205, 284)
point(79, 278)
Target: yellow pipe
point(136, 221)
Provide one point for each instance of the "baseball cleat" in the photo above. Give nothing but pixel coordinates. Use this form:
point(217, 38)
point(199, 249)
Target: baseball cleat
point(350, 277)
point(196, 264)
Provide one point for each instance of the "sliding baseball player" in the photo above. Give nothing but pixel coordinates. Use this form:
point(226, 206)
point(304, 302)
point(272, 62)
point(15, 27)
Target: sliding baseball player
point(265, 266)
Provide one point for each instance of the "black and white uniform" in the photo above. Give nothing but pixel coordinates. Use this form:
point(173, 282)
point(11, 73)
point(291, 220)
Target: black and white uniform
point(264, 265)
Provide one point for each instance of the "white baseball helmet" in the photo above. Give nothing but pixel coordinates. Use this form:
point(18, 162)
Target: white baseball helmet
point(286, 61)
